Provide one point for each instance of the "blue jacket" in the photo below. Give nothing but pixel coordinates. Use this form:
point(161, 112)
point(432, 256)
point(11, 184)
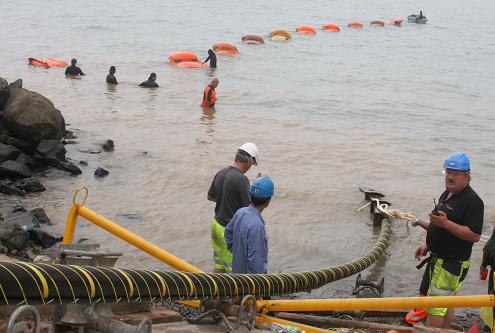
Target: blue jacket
point(247, 239)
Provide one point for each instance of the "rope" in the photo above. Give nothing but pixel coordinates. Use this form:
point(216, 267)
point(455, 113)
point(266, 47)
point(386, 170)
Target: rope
point(394, 213)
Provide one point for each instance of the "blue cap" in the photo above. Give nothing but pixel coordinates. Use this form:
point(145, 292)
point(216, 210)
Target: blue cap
point(458, 161)
point(262, 188)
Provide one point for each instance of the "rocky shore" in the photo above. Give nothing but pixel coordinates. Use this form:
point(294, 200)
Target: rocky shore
point(33, 136)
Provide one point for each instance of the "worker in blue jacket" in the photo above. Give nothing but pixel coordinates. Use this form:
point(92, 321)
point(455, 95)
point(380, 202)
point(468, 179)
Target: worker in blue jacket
point(246, 235)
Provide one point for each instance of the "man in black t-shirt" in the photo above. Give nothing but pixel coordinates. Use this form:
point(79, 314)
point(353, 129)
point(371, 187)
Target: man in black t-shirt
point(455, 225)
point(73, 70)
point(230, 191)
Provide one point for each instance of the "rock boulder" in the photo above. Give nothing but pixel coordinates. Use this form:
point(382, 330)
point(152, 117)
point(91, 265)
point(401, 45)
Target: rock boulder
point(33, 117)
point(8, 152)
point(13, 237)
point(51, 152)
point(4, 92)
point(13, 169)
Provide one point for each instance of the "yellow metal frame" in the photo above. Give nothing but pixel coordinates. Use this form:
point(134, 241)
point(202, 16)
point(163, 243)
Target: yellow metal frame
point(80, 210)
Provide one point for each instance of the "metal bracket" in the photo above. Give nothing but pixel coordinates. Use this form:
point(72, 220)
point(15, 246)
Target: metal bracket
point(216, 314)
point(247, 312)
point(23, 327)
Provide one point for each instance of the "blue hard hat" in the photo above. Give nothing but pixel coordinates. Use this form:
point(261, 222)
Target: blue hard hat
point(458, 161)
point(263, 188)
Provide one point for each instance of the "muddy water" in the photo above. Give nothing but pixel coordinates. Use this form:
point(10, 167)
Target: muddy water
point(379, 107)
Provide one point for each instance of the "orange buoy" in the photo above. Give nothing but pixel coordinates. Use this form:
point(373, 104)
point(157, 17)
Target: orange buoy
point(37, 63)
point(377, 23)
point(331, 27)
point(396, 22)
point(253, 39)
point(186, 60)
point(56, 63)
point(280, 34)
point(414, 318)
point(306, 30)
point(355, 25)
point(226, 49)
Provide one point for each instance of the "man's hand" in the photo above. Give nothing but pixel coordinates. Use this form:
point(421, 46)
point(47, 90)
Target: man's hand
point(421, 252)
point(439, 220)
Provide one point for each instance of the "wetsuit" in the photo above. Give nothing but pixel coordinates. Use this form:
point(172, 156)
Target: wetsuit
point(73, 70)
point(149, 84)
point(111, 79)
point(212, 58)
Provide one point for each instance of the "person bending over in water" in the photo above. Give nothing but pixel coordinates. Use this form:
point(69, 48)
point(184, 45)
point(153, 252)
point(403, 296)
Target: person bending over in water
point(209, 95)
point(420, 14)
point(111, 79)
point(150, 83)
point(212, 58)
point(73, 70)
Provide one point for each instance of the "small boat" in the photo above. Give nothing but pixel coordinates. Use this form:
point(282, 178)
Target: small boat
point(419, 19)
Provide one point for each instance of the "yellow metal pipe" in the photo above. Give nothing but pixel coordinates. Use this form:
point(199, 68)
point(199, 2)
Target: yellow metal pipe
point(267, 320)
point(377, 304)
point(135, 240)
point(70, 226)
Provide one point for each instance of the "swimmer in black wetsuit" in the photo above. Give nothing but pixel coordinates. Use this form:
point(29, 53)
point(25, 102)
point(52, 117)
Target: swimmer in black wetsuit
point(150, 83)
point(111, 79)
point(212, 57)
point(420, 15)
point(73, 70)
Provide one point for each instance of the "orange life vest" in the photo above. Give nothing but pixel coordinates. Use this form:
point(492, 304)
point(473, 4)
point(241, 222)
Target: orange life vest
point(209, 97)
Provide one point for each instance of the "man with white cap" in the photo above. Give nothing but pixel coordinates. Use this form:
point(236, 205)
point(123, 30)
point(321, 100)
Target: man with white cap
point(230, 191)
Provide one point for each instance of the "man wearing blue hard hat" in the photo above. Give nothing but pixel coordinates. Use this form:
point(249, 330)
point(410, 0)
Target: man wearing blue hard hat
point(455, 225)
point(246, 235)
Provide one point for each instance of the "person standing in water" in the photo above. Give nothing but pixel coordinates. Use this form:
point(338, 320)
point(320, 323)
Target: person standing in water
point(111, 79)
point(212, 58)
point(209, 95)
point(150, 83)
point(73, 70)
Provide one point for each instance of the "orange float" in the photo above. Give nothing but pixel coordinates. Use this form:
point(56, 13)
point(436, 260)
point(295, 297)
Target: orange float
point(377, 23)
point(280, 34)
point(186, 60)
point(331, 27)
point(50, 62)
point(306, 30)
point(396, 22)
point(253, 39)
point(226, 49)
point(355, 25)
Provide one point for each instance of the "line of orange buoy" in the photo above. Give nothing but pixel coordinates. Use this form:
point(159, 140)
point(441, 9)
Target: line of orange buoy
point(191, 60)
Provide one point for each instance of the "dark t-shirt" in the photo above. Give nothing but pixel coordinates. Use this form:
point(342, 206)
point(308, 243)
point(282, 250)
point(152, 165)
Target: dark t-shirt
point(149, 84)
point(73, 70)
point(465, 208)
point(111, 79)
point(230, 189)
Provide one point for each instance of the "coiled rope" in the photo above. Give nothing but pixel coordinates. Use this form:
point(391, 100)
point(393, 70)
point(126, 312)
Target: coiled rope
point(26, 283)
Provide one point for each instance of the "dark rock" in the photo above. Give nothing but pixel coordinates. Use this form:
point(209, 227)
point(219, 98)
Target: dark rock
point(8, 152)
point(18, 208)
point(83, 162)
point(100, 172)
point(31, 185)
point(40, 216)
point(3, 249)
point(13, 169)
point(43, 238)
point(108, 145)
point(13, 237)
point(69, 135)
point(69, 167)
point(25, 146)
point(25, 159)
point(23, 219)
point(4, 92)
point(11, 190)
point(69, 142)
point(50, 152)
point(33, 117)
point(16, 84)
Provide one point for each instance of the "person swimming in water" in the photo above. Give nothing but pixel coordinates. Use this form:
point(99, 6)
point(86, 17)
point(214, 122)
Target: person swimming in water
point(212, 58)
point(73, 70)
point(111, 79)
point(150, 83)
